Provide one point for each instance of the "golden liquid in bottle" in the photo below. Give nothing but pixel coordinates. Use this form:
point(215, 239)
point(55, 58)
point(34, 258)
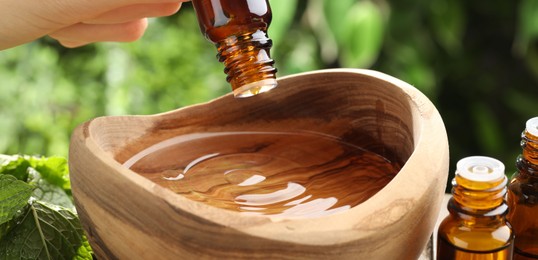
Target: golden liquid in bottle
point(524, 216)
point(239, 30)
point(523, 198)
point(476, 227)
point(279, 174)
point(452, 252)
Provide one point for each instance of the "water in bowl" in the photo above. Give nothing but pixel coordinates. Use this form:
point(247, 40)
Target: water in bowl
point(278, 174)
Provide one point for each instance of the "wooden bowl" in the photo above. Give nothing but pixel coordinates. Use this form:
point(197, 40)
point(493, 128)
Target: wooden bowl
point(128, 216)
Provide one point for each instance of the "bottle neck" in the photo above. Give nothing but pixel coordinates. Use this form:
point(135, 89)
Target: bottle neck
point(528, 161)
point(475, 198)
point(247, 63)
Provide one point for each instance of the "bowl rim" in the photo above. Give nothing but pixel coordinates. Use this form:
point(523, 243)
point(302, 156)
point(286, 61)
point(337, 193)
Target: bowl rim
point(384, 211)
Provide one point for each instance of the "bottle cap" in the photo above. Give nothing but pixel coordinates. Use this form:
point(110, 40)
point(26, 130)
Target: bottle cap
point(532, 126)
point(480, 168)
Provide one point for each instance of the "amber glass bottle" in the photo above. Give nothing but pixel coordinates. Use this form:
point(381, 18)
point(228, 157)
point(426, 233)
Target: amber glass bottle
point(239, 30)
point(476, 227)
point(523, 195)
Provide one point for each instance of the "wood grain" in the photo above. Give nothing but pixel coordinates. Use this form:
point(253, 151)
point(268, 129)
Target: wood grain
point(128, 216)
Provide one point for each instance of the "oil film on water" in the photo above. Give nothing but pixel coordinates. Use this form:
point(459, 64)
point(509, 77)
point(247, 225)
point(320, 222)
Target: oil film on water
point(278, 174)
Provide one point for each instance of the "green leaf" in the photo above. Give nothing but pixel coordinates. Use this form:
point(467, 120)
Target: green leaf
point(6, 227)
point(487, 128)
point(335, 14)
point(53, 169)
point(363, 35)
point(421, 75)
point(84, 251)
point(412, 65)
point(528, 25)
point(531, 57)
point(46, 232)
point(303, 56)
point(14, 195)
point(48, 192)
point(283, 11)
point(523, 104)
point(15, 165)
point(448, 23)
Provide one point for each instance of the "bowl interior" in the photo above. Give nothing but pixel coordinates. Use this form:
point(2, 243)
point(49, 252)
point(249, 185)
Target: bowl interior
point(311, 130)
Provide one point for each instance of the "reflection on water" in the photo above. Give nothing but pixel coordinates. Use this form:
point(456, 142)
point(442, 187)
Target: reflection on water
point(278, 174)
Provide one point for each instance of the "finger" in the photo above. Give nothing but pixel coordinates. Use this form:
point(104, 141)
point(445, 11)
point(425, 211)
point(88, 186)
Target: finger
point(24, 21)
point(134, 12)
point(66, 12)
point(81, 34)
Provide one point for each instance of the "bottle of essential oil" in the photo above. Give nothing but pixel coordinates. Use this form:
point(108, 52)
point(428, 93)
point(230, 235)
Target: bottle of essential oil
point(476, 227)
point(523, 195)
point(239, 30)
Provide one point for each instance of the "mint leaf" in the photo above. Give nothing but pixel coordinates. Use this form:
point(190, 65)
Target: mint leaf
point(84, 251)
point(6, 227)
point(37, 219)
point(53, 169)
point(48, 192)
point(14, 195)
point(46, 232)
point(15, 165)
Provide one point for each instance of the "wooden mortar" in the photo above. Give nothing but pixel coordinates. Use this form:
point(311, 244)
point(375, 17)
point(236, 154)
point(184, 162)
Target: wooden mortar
point(127, 216)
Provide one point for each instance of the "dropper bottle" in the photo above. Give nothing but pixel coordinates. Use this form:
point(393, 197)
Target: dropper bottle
point(476, 227)
point(238, 28)
point(523, 195)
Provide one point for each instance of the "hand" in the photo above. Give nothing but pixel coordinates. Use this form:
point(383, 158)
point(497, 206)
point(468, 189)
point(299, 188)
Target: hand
point(78, 22)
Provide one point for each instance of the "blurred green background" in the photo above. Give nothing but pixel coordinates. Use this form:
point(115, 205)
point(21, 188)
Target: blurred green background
point(476, 60)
